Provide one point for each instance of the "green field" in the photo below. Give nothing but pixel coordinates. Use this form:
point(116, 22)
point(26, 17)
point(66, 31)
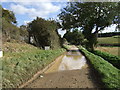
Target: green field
point(111, 50)
point(109, 40)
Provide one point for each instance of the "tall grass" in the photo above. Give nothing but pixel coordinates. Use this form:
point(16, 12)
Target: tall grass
point(23, 63)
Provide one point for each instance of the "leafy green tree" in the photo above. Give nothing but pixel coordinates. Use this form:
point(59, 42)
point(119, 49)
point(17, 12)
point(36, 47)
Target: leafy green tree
point(24, 33)
point(44, 33)
point(10, 31)
point(9, 16)
point(117, 18)
point(75, 37)
point(92, 17)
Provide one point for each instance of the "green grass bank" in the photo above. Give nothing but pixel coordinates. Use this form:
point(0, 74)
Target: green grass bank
point(114, 60)
point(22, 61)
point(109, 74)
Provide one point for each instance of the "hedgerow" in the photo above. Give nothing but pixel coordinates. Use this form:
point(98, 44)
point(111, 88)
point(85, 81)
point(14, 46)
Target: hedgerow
point(115, 60)
point(108, 73)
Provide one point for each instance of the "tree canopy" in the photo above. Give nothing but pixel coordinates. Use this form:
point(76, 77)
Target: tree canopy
point(10, 32)
point(75, 37)
point(92, 17)
point(9, 16)
point(44, 33)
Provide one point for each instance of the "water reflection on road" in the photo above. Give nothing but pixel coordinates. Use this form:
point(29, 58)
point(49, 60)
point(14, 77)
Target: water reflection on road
point(72, 60)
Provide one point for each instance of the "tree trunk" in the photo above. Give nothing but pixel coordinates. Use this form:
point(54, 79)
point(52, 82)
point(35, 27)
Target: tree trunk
point(92, 41)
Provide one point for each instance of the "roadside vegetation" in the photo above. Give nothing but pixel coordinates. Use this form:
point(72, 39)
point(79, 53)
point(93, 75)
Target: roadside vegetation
point(108, 73)
point(114, 60)
point(23, 56)
point(22, 63)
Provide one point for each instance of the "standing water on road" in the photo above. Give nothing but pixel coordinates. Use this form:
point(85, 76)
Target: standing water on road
point(72, 60)
point(66, 73)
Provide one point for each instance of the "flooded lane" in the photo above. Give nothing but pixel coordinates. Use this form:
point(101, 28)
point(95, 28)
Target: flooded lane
point(72, 60)
point(68, 71)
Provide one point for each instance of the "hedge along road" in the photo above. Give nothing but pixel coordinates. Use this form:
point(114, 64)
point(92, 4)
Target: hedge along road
point(69, 71)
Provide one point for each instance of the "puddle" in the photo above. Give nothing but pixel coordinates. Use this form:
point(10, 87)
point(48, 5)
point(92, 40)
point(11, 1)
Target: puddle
point(72, 60)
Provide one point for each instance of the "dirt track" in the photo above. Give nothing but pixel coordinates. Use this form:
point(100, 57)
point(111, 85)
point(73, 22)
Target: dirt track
point(76, 78)
point(65, 79)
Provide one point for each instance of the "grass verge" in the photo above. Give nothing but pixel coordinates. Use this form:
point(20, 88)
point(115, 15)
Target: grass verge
point(20, 64)
point(114, 60)
point(108, 73)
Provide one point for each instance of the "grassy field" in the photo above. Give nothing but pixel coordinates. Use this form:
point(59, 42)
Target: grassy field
point(109, 40)
point(21, 61)
point(111, 50)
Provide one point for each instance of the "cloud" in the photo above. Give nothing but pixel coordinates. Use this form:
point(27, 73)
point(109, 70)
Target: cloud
point(34, 0)
point(32, 9)
point(110, 28)
point(26, 22)
point(4, 0)
point(19, 9)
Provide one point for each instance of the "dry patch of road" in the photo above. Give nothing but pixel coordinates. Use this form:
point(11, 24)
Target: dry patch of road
point(66, 79)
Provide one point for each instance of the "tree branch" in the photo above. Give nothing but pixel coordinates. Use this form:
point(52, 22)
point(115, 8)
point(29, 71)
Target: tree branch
point(97, 30)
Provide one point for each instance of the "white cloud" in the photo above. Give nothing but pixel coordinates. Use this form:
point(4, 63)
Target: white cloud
point(34, 0)
point(110, 28)
point(26, 22)
point(19, 9)
point(32, 9)
point(4, 0)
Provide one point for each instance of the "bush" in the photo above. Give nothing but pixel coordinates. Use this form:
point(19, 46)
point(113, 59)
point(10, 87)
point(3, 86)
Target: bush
point(108, 73)
point(108, 57)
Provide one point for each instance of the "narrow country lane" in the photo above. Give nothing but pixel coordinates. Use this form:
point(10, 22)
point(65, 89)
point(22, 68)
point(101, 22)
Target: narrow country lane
point(69, 71)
